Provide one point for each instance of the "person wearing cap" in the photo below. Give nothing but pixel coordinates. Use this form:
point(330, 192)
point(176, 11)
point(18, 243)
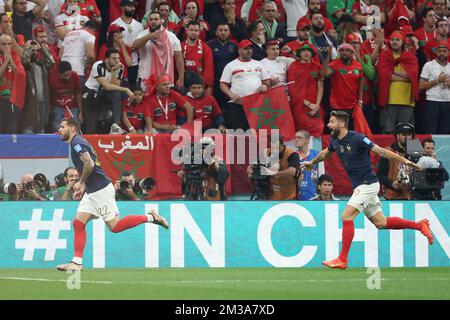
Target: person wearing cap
point(69, 20)
point(411, 43)
point(258, 39)
point(23, 19)
point(131, 29)
point(390, 171)
point(160, 52)
point(428, 31)
point(273, 29)
point(115, 40)
point(442, 35)
point(276, 65)
point(37, 60)
point(294, 11)
point(435, 79)
point(104, 91)
point(369, 75)
point(346, 80)
point(164, 104)
point(242, 77)
point(78, 48)
point(303, 36)
point(397, 71)
point(320, 39)
point(306, 92)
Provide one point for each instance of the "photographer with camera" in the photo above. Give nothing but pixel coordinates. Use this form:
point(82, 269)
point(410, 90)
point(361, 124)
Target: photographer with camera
point(393, 174)
point(66, 192)
point(32, 188)
point(429, 160)
point(284, 175)
point(203, 180)
point(128, 189)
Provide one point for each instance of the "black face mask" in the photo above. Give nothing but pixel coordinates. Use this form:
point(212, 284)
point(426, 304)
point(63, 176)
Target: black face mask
point(129, 14)
point(318, 29)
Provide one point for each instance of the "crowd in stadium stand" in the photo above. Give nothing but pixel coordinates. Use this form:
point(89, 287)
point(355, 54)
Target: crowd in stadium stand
point(106, 62)
point(124, 66)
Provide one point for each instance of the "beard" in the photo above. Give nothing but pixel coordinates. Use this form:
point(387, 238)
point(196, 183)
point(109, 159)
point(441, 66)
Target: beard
point(335, 132)
point(129, 14)
point(153, 29)
point(317, 28)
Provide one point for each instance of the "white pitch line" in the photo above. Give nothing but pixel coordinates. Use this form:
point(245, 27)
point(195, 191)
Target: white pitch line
point(53, 280)
point(175, 282)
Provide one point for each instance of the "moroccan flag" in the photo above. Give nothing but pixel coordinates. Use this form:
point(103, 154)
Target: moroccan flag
point(120, 153)
point(270, 110)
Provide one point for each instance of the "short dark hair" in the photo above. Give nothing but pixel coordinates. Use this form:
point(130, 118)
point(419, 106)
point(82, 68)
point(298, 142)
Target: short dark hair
point(425, 11)
point(91, 24)
point(428, 140)
point(67, 170)
point(72, 122)
point(164, 3)
point(111, 51)
point(435, 1)
point(64, 66)
point(193, 23)
point(439, 20)
point(324, 178)
point(3, 14)
point(197, 79)
point(136, 88)
point(252, 26)
point(341, 115)
point(126, 174)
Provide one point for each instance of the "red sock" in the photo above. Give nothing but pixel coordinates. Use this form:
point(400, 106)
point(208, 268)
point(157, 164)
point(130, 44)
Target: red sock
point(129, 222)
point(348, 231)
point(79, 241)
point(399, 223)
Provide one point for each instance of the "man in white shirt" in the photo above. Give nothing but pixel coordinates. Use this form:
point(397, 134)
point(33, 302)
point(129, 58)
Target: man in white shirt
point(69, 20)
point(160, 52)
point(275, 65)
point(242, 77)
point(132, 29)
point(104, 91)
point(295, 9)
point(435, 78)
point(78, 48)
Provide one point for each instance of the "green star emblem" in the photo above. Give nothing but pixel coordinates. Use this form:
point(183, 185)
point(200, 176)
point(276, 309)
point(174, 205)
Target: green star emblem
point(128, 164)
point(267, 115)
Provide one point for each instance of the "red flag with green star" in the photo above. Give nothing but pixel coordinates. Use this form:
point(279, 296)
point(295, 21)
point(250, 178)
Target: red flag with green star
point(270, 110)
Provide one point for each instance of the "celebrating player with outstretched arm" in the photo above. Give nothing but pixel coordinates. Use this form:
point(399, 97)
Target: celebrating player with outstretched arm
point(353, 150)
point(99, 195)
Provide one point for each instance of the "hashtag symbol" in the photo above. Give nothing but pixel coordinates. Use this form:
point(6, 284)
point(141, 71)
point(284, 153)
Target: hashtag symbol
point(50, 244)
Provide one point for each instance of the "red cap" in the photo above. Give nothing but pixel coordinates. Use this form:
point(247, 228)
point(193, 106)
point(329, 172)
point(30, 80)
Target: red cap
point(39, 28)
point(115, 27)
point(397, 34)
point(303, 22)
point(407, 30)
point(444, 44)
point(272, 42)
point(352, 37)
point(244, 43)
point(346, 46)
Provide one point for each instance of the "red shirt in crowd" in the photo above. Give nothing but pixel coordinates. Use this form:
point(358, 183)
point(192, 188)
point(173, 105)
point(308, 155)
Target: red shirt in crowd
point(102, 56)
point(205, 109)
point(199, 59)
point(162, 110)
point(6, 81)
point(135, 114)
point(423, 36)
point(431, 47)
point(63, 92)
point(345, 84)
point(295, 45)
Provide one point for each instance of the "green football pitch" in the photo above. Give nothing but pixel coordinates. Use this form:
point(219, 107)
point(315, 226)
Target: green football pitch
point(226, 284)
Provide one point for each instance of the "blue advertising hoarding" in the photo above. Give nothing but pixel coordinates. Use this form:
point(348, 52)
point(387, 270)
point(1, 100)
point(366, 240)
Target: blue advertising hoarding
point(222, 234)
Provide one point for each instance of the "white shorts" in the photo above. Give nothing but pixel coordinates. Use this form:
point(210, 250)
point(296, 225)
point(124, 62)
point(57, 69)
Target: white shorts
point(101, 203)
point(365, 198)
